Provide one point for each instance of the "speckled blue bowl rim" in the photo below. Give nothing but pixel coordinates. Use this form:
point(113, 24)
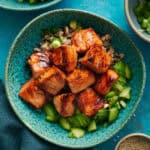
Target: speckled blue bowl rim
point(39, 7)
point(126, 8)
point(12, 51)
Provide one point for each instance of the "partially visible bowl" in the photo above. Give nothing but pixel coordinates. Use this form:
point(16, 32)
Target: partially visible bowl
point(129, 7)
point(16, 6)
point(17, 73)
point(133, 140)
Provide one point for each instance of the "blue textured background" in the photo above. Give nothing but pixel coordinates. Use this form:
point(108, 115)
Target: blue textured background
point(12, 22)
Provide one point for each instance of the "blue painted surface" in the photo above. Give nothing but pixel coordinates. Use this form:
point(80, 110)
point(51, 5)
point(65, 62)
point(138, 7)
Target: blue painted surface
point(11, 23)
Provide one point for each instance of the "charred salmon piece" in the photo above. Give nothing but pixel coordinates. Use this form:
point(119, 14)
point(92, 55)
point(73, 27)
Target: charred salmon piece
point(89, 102)
point(31, 94)
point(64, 104)
point(39, 62)
point(52, 81)
point(106, 81)
point(65, 57)
point(80, 79)
point(84, 39)
point(97, 59)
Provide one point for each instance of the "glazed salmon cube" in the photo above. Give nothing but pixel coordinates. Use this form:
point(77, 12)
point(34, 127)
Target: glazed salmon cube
point(64, 104)
point(31, 94)
point(52, 81)
point(106, 81)
point(65, 57)
point(80, 79)
point(84, 39)
point(97, 60)
point(39, 62)
point(89, 102)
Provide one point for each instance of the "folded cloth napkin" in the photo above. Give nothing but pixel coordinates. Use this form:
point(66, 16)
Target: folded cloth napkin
point(13, 134)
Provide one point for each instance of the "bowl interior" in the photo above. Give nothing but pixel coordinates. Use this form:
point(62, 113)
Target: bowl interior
point(130, 5)
point(15, 5)
point(17, 73)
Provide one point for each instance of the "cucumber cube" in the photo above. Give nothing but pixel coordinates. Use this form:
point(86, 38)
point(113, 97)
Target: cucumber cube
point(113, 114)
point(92, 126)
point(76, 133)
point(125, 93)
point(64, 124)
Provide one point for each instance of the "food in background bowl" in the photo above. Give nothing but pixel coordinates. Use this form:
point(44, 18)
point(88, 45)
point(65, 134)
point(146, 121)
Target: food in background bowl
point(78, 78)
point(33, 1)
point(142, 12)
point(138, 13)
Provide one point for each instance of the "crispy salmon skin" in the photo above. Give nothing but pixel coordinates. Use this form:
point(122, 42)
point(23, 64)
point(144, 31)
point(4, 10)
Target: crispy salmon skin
point(97, 59)
point(89, 102)
point(65, 57)
point(32, 94)
point(52, 81)
point(106, 81)
point(80, 79)
point(85, 38)
point(39, 62)
point(64, 104)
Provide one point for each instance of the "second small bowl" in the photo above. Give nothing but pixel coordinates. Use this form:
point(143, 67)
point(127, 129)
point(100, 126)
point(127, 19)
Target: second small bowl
point(129, 10)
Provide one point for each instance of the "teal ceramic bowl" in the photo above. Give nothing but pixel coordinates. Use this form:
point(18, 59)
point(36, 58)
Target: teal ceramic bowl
point(16, 73)
point(15, 5)
point(129, 7)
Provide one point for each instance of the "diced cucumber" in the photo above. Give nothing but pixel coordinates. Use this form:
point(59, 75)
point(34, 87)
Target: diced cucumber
point(113, 114)
point(110, 94)
point(76, 133)
point(92, 126)
point(79, 120)
point(122, 80)
point(51, 114)
point(128, 72)
point(118, 105)
point(70, 135)
point(125, 93)
point(113, 100)
point(120, 68)
point(118, 86)
point(50, 119)
point(145, 23)
point(105, 125)
point(64, 123)
point(73, 24)
point(73, 121)
point(33, 1)
point(55, 42)
point(55, 38)
point(123, 104)
point(101, 115)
